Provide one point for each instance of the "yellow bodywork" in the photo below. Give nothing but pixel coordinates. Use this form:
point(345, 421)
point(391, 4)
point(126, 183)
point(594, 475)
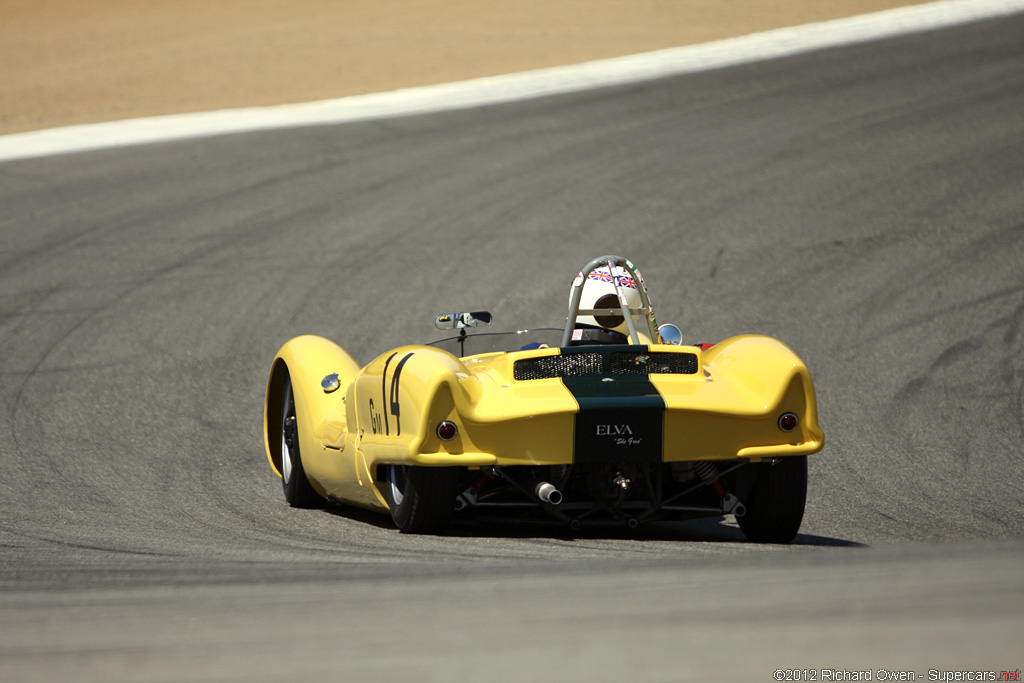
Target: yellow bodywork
point(388, 412)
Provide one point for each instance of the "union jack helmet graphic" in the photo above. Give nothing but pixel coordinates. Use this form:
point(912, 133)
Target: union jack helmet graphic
point(599, 292)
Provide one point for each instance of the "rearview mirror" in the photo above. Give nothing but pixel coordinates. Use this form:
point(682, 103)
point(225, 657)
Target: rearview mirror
point(449, 321)
point(670, 334)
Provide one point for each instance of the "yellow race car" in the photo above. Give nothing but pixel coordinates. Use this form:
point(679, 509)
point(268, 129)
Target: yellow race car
point(609, 418)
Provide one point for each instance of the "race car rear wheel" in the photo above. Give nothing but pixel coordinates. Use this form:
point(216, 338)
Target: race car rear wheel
point(421, 499)
point(297, 489)
point(775, 503)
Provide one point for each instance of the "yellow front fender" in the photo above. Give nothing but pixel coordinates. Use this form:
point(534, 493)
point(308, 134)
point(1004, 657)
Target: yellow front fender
point(305, 361)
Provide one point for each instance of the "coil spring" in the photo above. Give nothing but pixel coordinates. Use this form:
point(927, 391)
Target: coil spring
point(706, 471)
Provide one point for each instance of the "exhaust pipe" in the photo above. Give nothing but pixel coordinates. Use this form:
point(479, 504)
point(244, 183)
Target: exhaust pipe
point(548, 493)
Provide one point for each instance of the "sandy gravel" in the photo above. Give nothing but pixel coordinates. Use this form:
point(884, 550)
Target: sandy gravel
point(75, 61)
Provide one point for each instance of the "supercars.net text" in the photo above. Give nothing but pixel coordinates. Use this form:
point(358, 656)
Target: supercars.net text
point(893, 675)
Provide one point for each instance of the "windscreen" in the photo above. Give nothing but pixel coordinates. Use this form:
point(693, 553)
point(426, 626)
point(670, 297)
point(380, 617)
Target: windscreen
point(476, 344)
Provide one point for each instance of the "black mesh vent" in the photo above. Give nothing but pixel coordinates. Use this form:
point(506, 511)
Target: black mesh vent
point(619, 363)
point(637, 363)
point(547, 367)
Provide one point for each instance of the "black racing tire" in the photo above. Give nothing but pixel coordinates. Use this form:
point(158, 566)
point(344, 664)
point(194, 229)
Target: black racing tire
point(297, 490)
point(421, 499)
point(775, 504)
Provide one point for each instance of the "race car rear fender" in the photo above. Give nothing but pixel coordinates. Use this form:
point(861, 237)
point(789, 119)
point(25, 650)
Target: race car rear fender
point(751, 381)
point(399, 399)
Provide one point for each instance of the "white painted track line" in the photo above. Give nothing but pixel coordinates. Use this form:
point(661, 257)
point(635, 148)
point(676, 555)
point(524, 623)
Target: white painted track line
point(511, 87)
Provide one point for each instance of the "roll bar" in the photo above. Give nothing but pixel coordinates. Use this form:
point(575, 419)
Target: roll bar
point(645, 303)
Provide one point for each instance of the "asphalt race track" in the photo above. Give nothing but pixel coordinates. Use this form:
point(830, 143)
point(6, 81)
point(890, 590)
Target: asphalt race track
point(863, 204)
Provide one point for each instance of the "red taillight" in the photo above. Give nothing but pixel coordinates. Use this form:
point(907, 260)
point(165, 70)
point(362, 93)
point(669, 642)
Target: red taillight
point(788, 422)
point(446, 431)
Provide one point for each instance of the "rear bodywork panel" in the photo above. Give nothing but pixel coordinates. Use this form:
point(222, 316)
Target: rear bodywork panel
point(587, 405)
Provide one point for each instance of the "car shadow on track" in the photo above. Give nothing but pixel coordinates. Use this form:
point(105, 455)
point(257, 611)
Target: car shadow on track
point(705, 530)
point(718, 530)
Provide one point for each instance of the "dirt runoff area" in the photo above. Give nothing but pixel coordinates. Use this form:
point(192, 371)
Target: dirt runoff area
point(83, 61)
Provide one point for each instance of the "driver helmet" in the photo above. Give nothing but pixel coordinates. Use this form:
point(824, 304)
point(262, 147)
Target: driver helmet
point(599, 292)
